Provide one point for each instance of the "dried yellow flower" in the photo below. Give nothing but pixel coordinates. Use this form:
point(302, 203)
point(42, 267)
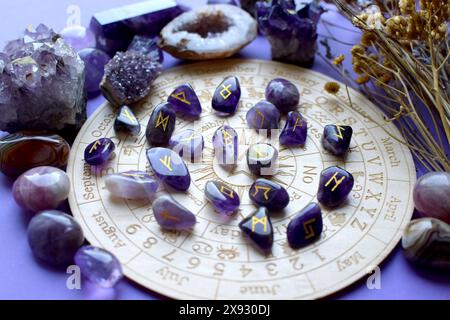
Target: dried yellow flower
point(332, 87)
point(338, 60)
point(407, 6)
point(368, 38)
point(396, 26)
point(362, 79)
point(358, 50)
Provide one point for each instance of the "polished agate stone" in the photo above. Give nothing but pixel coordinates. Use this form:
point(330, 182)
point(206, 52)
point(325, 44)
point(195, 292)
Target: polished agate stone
point(54, 237)
point(94, 62)
point(78, 37)
point(262, 159)
point(161, 125)
point(426, 241)
point(185, 102)
point(169, 168)
point(127, 122)
point(258, 228)
point(24, 150)
point(131, 185)
point(223, 198)
point(269, 194)
point(263, 115)
point(188, 144)
point(98, 266)
point(335, 185)
point(336, 139)
point(306, 226)
point(171, 215)
point(295, 130)
point(225, 143)
point(432, 195)
point(283, 94)
point(99, 151)
point(227, 95)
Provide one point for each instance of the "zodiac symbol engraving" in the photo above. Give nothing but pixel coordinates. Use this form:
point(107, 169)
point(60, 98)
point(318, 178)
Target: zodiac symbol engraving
point(227, 253)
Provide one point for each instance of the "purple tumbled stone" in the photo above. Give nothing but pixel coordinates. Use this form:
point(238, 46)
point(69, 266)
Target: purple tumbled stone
point(172, 215)
point(127, 122)
point(222, 197)
point(54, 237)
point(169, 168)
point(283, 94)
point(295, 130)
point(78, 37)
point(99, 151)
point(131, 185)
point(269, 194)
point(336, 139)
point(188, 144)
point(230, 2)
point(225, 143)
point(262, 159)
point(258, 228)
point(148, 46)
point(98, 266)
point(94, 62)
point(335, 185)
point(185, 102)
point(306, 227)
point(263, 115)
point(227, 95)
point(161, 125)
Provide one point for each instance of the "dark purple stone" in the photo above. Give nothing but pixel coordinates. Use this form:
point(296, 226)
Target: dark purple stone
point(227, 95)
point(295, 130)
point(222, 197)
point(258, 228)
point(188, 144)
point(336, 139)
point(54, 237)
point(283, 94)
point(147, 46)
point(334, 186)
point(127, 122)
point(94, 62)
point(225, 143)
point(171, 215)
point(161, 125)
point(230, 2)
point(263, 115)
point(262, 159)
point(99, 151)
point(185, 102)
point(269, 194)
point(169, 168)
point(306, 227)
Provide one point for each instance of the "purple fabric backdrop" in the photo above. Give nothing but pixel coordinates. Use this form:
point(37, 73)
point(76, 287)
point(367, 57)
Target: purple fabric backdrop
point(22, 277)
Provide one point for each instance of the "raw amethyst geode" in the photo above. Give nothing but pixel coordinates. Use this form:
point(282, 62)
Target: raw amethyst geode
point(41, 84)
point(291, 28)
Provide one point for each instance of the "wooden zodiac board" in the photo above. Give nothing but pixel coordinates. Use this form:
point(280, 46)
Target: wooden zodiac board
point(214, 260)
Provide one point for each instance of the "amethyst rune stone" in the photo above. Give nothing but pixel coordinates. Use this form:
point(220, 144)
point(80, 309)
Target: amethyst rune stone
point(188, 144)
point(295, 130)
point(169, 168)
point(185, 102)
point(54, 237)
point(99, 151)
point(94, 62)
point(78, 37)
point(336, 139)
point(131, 185)
point(269, 194)
point(262, 159)
point(263, 115)
point(98, 266)
point(172, 215)
point(223, 198)
point(148, 46)
point(227, 95)
point(334, 186)
point(161, 125)
point(258, 228)
point(127, 122)
point(283, 94)
point(225, 143)
point(305, 227)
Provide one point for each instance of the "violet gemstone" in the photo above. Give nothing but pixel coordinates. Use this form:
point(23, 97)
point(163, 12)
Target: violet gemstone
point(185, 102)
point(335, 185)
point(230, 2)
point(99, 151)
point(131, 185)
point(258, 228)
point(306, 227)
point(227, 95)
point(54, 237)
point(222, 197)
point(127, 122)
point(147, 46)
point(262, 159)
point(98, 266)
point(269, 194)
point(263, 115)
point(225, 143)
point(169, 168)
point(295, 130)
point(94, 62)
point(172, 215)
point(78, 37)
point(283, 94)
point(188, 144)
point(41, 188)
point(336, 139)
point(161, 125)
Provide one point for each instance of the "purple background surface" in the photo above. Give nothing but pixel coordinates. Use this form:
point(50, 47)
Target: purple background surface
point(22, 277)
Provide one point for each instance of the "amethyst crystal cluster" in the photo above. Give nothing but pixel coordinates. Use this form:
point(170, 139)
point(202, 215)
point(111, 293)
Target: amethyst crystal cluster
point(41, 83)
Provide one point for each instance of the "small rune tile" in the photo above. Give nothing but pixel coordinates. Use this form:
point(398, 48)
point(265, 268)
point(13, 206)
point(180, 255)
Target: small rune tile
point(161, 125)
point(263, 115)
point(99, 151)
point(295, 130)
point(227, 95)
point(262, 159)
point(269, 194)
point(131, 185)
point(185, 102)
point(172, 215)
point(283, 94)
point(127, 122)
point(188, 144)
point(225, 143)
point(336, 139)
point(335, 185)
point(223, 198)
point(258, 228)
point(306, 226)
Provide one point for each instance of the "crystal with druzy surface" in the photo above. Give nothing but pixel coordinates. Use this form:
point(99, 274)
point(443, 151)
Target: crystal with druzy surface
point(295, 130)
point(227, 95)
point(306, 226)
point(172, 215)
point(336, 139)
point(148, 46)
point(185, 102)
point(269, 194)
point(222, 197)
point(258, 228)
point(335, 185)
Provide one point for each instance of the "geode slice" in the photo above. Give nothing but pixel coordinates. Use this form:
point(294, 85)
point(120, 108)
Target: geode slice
point(41, 84)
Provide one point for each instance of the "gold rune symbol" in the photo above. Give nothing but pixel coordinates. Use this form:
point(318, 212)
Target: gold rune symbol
point(228, 139)
point(130, 116)
point(162, 121)
point(180, 96)
point(225, 92)
point(227, 191)
point(188, 139)
point(309, 231)
point(260, 115)
point(296, 124)
point(266, 191)
point(94, 146)
point(336, 181)
point(262, 220)
point(166, 215)
point(166, 161)
point(339, 132)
